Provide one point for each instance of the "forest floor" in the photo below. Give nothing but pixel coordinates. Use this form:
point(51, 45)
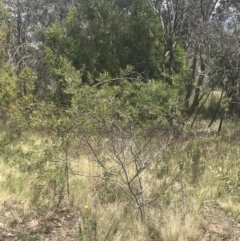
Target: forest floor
point(20, 221)
point(18, 224)
point(219, 226)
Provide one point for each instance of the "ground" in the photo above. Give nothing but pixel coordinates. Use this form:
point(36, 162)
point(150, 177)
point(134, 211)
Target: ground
point(18, 224)
point(217, 225)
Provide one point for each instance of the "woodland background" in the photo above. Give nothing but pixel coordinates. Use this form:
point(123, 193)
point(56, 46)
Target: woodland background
point(119, 120)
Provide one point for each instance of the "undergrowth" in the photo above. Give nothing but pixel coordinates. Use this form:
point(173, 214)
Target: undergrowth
point(192, 174)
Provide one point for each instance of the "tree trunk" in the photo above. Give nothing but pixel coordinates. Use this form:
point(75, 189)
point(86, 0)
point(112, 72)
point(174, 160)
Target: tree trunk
point(198, 88)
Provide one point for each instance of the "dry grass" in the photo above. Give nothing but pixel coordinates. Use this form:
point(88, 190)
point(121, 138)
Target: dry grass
point(98, 209)
point(231, 207)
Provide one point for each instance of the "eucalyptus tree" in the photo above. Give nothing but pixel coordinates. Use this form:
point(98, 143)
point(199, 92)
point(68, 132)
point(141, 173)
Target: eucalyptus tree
point(7, 78)
point(199, 26)
point(107, 36)
point(3, 34)
point(27, 22)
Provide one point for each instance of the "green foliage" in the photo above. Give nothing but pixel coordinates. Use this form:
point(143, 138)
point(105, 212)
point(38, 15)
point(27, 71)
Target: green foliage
point(160, 99)
point(180, 59)
point(111, 107)
point(104, 38)
point(48, 133)
point(96, 45)
point(7, 77)
point(68, 78)
point(101, 60)
point(3, 34)
point(7, 89)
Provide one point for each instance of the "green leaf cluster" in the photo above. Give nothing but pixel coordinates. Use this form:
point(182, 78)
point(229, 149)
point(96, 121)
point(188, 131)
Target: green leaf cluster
point(102, 37)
